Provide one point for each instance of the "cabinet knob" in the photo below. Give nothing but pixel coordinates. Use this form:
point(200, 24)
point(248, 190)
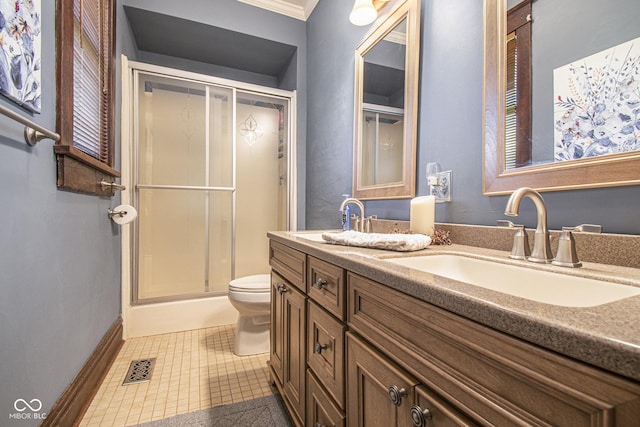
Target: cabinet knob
point(420, 416)
point(396, 394)
point(281, 289)
point(319, 347)
point(321, 283)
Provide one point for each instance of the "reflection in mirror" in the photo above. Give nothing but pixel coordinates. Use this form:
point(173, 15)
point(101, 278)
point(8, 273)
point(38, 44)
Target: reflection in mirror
point(383, 109)
point(381, 146)
point(517, 135)
point(386, 107)
point(535, 148)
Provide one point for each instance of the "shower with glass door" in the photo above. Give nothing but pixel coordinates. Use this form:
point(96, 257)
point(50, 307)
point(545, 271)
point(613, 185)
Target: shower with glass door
point(210, 168)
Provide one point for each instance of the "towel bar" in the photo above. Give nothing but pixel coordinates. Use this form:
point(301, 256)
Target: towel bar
point(33, 132)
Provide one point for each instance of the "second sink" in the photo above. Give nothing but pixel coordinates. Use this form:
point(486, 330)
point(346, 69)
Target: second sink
point(536, 285)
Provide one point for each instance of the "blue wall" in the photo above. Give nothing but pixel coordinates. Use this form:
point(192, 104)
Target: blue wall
point(331, 42)
point(59, 260)
point(450, 126)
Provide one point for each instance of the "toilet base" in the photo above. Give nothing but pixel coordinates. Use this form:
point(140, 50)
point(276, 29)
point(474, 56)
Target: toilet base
point(252, 335)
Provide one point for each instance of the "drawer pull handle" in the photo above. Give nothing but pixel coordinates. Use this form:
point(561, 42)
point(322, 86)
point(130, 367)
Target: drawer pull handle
point(420, 416)
point(281, 289)
point(321, 283)
point(319, 347)
point(396, 394)
point(320, 425)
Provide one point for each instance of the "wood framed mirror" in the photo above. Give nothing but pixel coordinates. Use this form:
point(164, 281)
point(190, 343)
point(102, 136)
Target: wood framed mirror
point(386, 106)
point(614, 169)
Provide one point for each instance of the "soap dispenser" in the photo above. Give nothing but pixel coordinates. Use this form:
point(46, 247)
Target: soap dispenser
point(346, 215)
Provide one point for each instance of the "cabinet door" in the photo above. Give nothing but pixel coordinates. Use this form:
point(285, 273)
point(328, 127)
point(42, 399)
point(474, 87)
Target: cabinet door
point(321, 410)
point(277, 326)
point(379, 393)
point(295, 355)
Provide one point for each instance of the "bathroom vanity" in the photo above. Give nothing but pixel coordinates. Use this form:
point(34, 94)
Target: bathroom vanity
point(360, 341)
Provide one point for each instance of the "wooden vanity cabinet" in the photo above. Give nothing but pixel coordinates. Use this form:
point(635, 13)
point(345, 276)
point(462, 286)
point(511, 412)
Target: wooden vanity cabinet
point(289, 327)
point(349, 351)
point(490, 377)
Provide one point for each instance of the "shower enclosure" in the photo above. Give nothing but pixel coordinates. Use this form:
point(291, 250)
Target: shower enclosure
point(210, 167)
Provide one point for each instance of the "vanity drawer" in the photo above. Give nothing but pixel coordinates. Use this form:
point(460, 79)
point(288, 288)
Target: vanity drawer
point(436, 412)
point(326, 286)
point(289, 263)
point(325, 350)
point(321, 410)
point(489, 376)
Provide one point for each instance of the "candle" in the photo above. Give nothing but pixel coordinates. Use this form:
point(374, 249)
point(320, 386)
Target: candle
point(422, 215)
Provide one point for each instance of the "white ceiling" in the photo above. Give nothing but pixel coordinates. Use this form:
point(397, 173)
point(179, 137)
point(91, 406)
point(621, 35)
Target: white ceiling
point(299, 9)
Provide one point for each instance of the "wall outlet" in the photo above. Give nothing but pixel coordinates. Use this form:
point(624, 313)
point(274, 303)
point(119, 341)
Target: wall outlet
point(441, 186)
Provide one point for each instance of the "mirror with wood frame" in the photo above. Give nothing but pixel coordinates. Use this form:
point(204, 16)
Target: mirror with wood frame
point(386, 106)
point(529, 153)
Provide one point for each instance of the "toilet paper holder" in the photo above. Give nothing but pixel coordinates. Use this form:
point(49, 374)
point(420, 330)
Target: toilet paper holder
point(122, 214)
point(113, 213)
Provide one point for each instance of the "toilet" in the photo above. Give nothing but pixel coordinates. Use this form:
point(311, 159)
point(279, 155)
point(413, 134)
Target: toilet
point(251, 296)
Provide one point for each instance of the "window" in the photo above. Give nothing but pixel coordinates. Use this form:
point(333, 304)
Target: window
point(85, 95)
point(518, 76)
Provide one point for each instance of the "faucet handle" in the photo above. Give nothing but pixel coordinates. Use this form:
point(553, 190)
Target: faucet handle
point(585, 228)
point(366, 223)
point(521, 248)
point(567, 256)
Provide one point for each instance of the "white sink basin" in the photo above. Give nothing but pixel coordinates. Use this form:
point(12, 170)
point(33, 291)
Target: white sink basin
point(541, 286)
point(316, 237)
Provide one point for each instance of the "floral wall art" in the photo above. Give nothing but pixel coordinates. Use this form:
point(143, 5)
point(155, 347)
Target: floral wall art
point(597, 104)
point(20, 52)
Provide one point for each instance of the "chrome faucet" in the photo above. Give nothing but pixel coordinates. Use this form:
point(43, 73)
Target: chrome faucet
point(541, 247)
point(359, 223)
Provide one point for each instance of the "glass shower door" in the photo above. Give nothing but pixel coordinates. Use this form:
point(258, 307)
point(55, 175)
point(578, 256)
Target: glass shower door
point(185, 188)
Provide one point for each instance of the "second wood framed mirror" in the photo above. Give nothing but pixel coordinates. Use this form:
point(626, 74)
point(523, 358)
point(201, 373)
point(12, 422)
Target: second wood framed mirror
point(558, 39)
point(386, 106)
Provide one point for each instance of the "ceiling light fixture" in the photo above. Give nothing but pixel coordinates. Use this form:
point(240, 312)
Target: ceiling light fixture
point(363, 13)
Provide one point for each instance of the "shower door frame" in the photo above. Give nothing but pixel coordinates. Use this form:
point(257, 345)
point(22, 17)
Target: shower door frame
point(289, 97)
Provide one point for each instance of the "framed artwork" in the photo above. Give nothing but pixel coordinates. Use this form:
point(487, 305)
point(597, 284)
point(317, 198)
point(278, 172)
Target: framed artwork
point(597, 104)
point(20, 58)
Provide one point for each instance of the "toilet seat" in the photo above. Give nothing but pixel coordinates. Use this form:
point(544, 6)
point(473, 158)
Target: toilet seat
point(258, 283)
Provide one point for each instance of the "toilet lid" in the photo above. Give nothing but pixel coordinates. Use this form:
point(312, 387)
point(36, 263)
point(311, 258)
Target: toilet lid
point(255, 283)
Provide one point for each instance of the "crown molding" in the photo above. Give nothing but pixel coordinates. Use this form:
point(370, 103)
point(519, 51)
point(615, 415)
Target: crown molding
point(285, 7)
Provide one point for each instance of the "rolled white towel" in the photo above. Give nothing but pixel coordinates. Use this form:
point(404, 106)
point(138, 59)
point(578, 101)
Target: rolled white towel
point(394, 242)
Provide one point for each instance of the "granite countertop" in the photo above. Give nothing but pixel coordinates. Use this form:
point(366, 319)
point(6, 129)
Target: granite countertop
point(606, 336)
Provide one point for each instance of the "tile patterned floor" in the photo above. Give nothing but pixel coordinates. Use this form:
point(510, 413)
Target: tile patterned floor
point(194, 370)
